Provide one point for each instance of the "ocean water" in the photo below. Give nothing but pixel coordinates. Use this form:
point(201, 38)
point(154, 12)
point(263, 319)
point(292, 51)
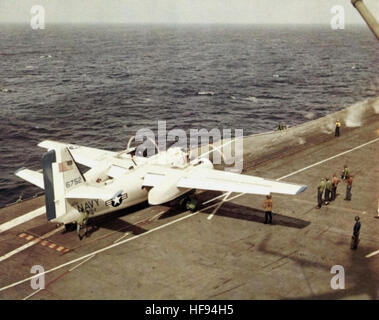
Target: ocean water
point(97, 85)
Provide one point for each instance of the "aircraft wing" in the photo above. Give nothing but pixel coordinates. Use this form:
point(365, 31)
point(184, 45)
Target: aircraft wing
point(31, 176)
point(217, 180)
point(153, 179)
point(89, 157)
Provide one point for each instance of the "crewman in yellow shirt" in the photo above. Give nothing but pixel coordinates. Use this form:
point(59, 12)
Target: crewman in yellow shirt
point(338, 125)
point(267, 206)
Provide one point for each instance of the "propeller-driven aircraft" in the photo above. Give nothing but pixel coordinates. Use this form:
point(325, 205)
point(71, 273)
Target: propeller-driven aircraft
point(117, 180)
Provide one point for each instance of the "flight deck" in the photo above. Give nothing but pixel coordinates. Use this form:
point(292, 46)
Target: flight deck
point(223, 250)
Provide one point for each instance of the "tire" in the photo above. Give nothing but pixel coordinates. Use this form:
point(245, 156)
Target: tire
point(70, 227)
point(191, 205)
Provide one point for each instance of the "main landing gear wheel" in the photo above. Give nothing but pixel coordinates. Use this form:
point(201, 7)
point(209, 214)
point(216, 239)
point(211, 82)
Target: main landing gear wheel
point(190, 204)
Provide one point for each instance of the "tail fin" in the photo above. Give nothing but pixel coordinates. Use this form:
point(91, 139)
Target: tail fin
point(60, 175)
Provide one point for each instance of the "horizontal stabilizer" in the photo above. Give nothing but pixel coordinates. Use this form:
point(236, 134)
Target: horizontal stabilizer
point(31, 176)
point(90, 157)
point(48, 144)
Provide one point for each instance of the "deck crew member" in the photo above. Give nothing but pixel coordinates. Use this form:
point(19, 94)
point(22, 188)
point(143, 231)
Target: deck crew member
point(335, 182)
point(355, 237)
point(81, 223)
point(345, 172)
point(337, 132)
point(320, 191)
point(267, 206)
point(349, 185)
point(328, 191)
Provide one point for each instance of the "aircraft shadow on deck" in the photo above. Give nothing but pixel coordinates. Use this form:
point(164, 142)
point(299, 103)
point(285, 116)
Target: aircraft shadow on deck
point(237, 211)
point(171, 212)
point(112, 221)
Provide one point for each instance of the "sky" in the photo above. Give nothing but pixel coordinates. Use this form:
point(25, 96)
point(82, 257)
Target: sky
point(183, 11)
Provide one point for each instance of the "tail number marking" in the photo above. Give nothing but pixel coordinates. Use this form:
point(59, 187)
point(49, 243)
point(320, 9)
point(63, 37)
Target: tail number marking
point(73, 182)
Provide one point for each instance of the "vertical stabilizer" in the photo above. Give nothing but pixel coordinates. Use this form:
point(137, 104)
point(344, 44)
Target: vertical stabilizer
point(47, 160)
point(60, 175)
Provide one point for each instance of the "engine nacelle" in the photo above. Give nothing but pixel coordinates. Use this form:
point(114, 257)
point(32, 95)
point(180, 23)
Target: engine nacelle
point(166, 191)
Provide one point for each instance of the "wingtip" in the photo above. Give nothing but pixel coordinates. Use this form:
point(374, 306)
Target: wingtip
point(302, 188)
point(18, 170)
point(42, 144)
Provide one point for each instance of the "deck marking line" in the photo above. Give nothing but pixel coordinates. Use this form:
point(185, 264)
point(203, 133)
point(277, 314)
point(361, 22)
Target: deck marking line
point(136, 224)
point(32, 294)
point(141, 221)
point(220, 196)
point(330, 158)
point(79, 264)
point(29, 244)
point(24, 218)
point(372, 254)
point(219, 205)
point(157, 215)
point(122, 237)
